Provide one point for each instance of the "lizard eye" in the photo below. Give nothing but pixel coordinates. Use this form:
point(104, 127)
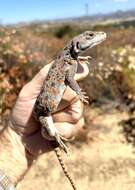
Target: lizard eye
point(91, 34)
point(77, 45)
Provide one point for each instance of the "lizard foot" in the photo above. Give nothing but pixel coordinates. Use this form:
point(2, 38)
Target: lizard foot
point(49, 131)
point(60, 140)
point(82, 96)
point(54, 134)
point(84, 58)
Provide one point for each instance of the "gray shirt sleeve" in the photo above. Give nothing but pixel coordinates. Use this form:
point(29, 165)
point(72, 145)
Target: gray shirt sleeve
point(5, 182)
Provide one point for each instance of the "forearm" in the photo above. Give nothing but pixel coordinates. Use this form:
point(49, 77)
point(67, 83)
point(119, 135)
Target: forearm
point(13, 159)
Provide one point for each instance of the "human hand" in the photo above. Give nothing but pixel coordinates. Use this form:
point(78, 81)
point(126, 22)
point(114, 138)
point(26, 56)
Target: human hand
point(68, 119)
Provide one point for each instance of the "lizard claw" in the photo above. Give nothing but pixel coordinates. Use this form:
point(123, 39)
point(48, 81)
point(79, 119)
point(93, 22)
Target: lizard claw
point(59, 140)
point(54, 134)
point(84, 58)
point(88, 58)
point(82, 96)
point(49, 132)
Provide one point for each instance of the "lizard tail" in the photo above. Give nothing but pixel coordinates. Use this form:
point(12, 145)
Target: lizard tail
point(57, 151)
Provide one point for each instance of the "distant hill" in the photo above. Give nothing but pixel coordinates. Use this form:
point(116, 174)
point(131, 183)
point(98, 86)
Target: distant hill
point(118, 15)
point(92, 19)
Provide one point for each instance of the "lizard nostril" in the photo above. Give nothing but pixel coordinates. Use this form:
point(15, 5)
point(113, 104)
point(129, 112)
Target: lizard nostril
point(102, 33)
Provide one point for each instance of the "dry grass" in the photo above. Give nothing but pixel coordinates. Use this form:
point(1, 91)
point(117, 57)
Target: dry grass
point(100, 158)
point(103, 161)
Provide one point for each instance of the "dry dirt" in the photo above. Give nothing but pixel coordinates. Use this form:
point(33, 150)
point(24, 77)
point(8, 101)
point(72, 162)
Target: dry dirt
point(104, 160)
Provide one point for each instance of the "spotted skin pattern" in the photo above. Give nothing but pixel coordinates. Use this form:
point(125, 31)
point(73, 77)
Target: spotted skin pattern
point(61, 75)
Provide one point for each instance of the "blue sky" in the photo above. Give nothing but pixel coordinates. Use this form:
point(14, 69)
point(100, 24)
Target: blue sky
point(12, 11)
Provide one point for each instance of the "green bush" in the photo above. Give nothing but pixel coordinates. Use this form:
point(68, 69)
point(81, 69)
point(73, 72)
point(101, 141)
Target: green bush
point(63, 30)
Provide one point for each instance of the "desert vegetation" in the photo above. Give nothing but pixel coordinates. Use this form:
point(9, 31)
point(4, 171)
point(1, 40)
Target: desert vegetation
point(110, 86)
point(24, 50)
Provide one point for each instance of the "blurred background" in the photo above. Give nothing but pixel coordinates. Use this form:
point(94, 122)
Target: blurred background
point(31, 35)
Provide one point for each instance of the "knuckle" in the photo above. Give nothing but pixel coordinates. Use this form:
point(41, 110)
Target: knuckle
point(76, 116)
point(77, 111)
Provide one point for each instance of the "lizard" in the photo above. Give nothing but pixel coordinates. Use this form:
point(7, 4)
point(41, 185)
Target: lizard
point(60, 75)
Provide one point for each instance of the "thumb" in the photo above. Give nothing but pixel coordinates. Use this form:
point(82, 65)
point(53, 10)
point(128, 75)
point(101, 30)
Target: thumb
point(32, 88)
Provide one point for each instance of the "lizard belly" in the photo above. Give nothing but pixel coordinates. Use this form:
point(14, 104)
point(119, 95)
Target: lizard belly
point(52, 90)
point(53, 96)
point(49, 99)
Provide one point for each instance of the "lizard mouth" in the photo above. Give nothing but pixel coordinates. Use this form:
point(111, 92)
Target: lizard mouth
point(99, 39)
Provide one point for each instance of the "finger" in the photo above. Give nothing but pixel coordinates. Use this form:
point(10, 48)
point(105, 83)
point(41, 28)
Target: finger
point(82, 71)
point(71, 114)
point(43, 145)
point(69, 130)
point(36, 144)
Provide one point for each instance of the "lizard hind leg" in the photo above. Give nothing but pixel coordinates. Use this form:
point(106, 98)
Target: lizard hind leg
point(49, 131)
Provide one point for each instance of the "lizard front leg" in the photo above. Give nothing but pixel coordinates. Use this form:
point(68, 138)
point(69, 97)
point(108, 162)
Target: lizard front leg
point(84, 58)
point(73, 84)
point(49, 131)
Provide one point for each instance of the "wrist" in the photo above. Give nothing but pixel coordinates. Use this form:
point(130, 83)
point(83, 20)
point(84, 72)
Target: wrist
point(13, 159)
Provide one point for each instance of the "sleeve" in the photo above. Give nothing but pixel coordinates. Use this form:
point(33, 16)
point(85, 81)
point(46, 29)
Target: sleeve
point(5, 182)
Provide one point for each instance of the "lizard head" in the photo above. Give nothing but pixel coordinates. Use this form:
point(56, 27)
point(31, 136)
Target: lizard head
point(87, 40)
